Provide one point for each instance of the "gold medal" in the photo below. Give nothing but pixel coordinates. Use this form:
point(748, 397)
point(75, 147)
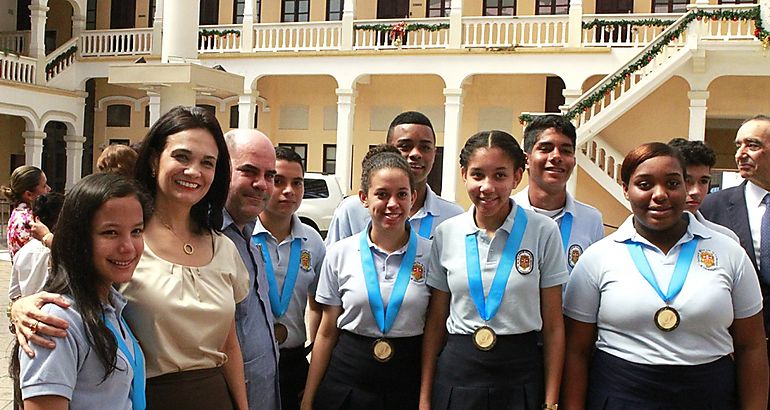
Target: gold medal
point(484, 338)
point(281, 332)
point(667, 319)
point(382, 350)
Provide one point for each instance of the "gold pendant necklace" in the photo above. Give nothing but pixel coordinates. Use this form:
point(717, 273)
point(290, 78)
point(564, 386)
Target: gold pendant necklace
point(187, 247)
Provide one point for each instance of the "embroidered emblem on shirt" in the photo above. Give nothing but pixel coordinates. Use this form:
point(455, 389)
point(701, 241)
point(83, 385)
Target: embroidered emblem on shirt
point(524, 262)
point(304, 260)
point(573, 254)
point(707, 259)
point(418, 272)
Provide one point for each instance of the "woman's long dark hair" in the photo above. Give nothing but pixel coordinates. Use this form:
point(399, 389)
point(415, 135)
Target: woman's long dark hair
point(207, 213)
point(72, 265)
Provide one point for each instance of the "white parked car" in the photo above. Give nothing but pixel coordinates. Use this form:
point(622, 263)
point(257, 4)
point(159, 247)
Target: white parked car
point(322, 195)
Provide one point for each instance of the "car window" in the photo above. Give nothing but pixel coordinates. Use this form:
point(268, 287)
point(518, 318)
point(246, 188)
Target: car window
point(315, 188)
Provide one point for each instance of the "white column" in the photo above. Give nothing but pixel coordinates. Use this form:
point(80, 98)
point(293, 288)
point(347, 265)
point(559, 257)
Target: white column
point(154, 105)
point(33, 147)
point(157, 28)
point(697, 130)
point(247, 26)
point(246, 109)
point(575, 33)
point(764, 13)
point(346, 43)
point(38, 16)
point(180, 31)
point(453, 112)
point(345, 112)
point(175, 95)
point(74, 159)
point(78, 25)
point(456, 25)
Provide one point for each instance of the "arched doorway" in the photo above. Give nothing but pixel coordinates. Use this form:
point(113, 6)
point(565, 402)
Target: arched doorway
point(55, 155)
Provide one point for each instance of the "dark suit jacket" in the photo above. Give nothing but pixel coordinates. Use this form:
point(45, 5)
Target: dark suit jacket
point(728, 208)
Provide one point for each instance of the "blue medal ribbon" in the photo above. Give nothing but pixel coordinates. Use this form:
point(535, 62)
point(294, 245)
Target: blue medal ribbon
point(426, 226)
point(279, 302)
point(488, 308)
point(385, 317)
point(681, 268)
point(565, 227)
point(136, 360)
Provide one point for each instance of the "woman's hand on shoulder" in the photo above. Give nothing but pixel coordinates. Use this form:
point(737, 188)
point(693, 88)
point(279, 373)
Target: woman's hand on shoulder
point(38, 230)
point(32, 323)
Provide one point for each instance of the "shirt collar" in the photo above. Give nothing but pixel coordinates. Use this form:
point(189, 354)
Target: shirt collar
point(469, 223)
point(297, 230)
point(627, 232)
point(754, 194)
point(379, 250)
point(569, 205)
point(117, 302)
point(227, 222)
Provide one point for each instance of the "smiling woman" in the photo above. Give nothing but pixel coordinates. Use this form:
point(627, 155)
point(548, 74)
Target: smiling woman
point(687, 286)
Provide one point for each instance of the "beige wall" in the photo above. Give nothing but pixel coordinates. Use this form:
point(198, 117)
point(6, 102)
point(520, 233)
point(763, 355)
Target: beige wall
point(102, 133)
point(271, 11)
point(60, 20)
point(590, 192)
point(143, 19)
point(13, 143)
point(103, 9)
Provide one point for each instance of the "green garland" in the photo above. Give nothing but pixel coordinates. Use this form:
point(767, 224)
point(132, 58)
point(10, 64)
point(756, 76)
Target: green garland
point(587, 25)
point(61, 57)
point(220, 33)
point(585, 104)
point(386, 28)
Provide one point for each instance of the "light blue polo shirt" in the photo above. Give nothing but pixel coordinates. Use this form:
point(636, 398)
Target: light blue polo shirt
point(311, 259)
point(587, 226)
point(342, 283)
point(72, 369)
point(539, 263)
point(351, 217)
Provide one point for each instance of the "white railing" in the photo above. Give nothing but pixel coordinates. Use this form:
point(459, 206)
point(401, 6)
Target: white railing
point(630, 34)
point(628, 83)
point(603, 163)
point(416, 39)
point(55, 64)
point(99, 43)
point(15, 41)
point(17, 68)
point(727, 29)
point(297, 36)
point(519, 31)
point(219, 39)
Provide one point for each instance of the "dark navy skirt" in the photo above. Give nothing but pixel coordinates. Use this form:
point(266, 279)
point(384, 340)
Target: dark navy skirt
point(356, 380)
point(617, 384)
point(510, 376)
point(292, 370)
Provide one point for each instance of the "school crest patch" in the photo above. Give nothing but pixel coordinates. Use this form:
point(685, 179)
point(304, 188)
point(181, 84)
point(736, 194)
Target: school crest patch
point(304, 260)
point(418, 272)
point(525, 262)
point(707, 259)
point(573, 254)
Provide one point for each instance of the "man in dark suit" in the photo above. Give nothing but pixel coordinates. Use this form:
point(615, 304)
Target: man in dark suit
point(742, 208)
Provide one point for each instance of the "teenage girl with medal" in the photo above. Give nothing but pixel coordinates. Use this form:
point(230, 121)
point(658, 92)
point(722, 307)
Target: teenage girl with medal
point(496, 274)
point(99, 363)
point(373, 292)
point(292, 253)
point(655, 310)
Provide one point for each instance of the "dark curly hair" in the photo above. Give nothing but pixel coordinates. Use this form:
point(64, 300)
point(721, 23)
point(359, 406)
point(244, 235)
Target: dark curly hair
point(493, 139)
point(380, 157)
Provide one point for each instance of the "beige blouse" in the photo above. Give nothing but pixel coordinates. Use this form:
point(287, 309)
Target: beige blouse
point(181, 314)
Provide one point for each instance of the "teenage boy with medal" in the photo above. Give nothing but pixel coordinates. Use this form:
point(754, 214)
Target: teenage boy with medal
point(374, 297)
point(646, 356)
point(549, 141)
point(293, 254)
point(482, 351)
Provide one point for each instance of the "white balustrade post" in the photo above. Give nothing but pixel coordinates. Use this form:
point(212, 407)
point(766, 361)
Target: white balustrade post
point(157, 28)
point(570, 96)
point(33, 147)
point(764, 13)
point(453, 112)
point(348, 31)
point(456, 24)
point(74, 151)
point(247, 27)
point(697, 130)
point(154, 105)
point(38, 15)
point(246, 108)
point(575, 37)
point(78, 25)
point(345, 113)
